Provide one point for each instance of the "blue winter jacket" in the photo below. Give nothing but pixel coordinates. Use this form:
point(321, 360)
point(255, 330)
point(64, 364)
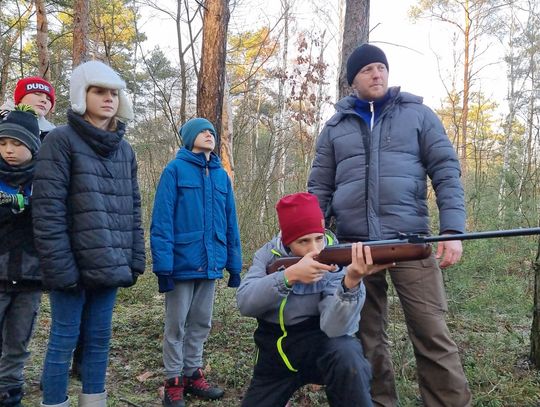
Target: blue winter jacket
point(194, 232)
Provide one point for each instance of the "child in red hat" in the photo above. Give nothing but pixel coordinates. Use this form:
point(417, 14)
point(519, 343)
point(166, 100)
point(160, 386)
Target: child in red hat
point(38, 93)
point(307, 313)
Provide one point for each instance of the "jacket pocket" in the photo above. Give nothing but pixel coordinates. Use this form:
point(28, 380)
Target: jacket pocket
point(221, 250)
point(189, 253)
point(220, 194)
point(190, 193)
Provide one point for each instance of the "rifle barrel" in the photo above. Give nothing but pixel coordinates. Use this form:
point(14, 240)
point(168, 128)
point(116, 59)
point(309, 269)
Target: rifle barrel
point(483, 235)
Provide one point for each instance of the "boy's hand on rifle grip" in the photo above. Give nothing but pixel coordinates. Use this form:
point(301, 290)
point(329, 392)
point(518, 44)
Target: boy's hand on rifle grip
point(307, 270)
point(450, 252)
point(361, 265)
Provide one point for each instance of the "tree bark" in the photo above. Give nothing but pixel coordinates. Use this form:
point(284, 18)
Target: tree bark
point(466, 88)
point(183, 71)
point(355, 33)
point(227, 134)
point(279, 147)
point(80, 31)
point(7, 43)
point(42, 40)
point(211, 82)
point(535, 328)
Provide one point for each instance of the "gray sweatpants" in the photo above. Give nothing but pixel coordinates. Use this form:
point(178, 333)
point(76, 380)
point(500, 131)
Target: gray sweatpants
point(188, 319)
point(18, 312)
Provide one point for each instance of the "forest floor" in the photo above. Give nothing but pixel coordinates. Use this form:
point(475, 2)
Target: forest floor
point(490, 313)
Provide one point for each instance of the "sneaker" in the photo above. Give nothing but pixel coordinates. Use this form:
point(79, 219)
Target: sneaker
point(11, 398)
point(173, 395)
point(197, 385)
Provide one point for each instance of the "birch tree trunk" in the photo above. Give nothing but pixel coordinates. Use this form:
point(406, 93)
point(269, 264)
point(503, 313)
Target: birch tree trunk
point(535, 328)
point(355, 33)
point(509, 124)
point(466, 87)
point(279, 150)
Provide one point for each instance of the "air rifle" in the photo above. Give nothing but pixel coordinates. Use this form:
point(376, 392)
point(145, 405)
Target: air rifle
point(17, 202)
point(403, 248)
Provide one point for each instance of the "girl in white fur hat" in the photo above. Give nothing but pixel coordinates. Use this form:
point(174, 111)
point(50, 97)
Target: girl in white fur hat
point(87, 223)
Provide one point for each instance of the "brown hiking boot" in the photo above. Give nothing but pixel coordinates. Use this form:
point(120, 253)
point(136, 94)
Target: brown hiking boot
point(173, 394)
point(197, 385)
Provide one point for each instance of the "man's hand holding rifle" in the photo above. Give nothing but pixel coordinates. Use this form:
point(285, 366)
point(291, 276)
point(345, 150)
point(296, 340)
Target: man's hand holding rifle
point(449, 253)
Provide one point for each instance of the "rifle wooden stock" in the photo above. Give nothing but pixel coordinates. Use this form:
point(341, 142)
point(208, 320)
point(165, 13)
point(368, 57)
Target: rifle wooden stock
point(341, 255)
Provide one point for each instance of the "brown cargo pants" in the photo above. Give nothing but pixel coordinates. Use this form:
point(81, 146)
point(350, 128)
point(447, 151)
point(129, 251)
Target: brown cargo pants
point(420, 288)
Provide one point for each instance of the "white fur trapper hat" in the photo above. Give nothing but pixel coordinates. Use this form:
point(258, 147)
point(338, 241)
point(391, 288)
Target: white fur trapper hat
point(95, 73)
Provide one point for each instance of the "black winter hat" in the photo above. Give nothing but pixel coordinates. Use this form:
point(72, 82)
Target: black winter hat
point(364, 55)
point(21, 126)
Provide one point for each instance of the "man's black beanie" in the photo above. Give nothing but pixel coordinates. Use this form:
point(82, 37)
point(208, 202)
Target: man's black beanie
point(364, 55)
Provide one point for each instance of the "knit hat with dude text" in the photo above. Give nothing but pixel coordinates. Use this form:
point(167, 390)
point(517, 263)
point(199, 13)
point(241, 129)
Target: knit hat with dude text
point(33, 84)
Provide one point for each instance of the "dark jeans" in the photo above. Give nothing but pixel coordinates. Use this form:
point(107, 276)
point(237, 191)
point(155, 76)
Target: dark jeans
point(18, 312)
point(95, 308)
point(337, 363)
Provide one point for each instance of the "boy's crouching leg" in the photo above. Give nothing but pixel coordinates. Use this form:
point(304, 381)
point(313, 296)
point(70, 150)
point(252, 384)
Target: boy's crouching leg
point(346, 372)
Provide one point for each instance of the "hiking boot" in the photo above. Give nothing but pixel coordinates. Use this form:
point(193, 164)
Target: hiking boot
point(197, 385)
point(173, 394)
point(11, 397)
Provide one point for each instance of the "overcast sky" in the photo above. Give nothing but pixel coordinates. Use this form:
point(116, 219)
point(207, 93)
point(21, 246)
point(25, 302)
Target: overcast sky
point(411, 48)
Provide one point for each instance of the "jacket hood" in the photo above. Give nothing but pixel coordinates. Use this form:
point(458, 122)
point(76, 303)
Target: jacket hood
point(44, 124)
point(283, 250)
point(198, 158)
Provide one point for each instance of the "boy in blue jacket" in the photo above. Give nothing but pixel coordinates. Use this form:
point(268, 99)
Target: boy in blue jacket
point(307, 314)
point(20, 277)
point(194, 236)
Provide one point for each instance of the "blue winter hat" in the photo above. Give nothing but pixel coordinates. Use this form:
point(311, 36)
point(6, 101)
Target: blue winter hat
point(191, 129)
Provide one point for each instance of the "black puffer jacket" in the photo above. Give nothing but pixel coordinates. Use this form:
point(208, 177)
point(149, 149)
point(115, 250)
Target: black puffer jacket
point(19, 264)
point(87, 208)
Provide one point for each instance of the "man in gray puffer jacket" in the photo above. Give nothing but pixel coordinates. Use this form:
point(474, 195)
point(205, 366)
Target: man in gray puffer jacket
point(370, 173)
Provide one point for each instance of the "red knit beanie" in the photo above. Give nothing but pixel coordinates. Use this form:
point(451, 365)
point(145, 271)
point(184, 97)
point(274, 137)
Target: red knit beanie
point(299, 214)
point(33, 84)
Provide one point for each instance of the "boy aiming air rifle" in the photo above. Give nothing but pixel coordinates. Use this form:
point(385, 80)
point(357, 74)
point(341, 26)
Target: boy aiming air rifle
point(405, 247)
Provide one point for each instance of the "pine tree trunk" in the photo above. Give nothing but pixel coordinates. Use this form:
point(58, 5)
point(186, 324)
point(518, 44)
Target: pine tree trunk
point(212, 72)
point(42, 40)
point(355, 33)
point(81, 11)
point(227, 134)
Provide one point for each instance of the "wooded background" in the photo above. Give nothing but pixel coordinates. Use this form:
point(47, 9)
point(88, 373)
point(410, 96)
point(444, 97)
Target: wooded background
point(269, 84)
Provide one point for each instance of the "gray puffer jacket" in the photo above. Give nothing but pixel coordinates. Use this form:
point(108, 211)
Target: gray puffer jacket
point(375, 181)
point(261, 295)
